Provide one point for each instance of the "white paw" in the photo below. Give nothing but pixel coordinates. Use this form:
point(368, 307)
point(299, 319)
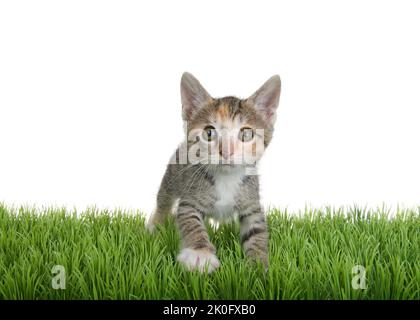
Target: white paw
point(201, 260)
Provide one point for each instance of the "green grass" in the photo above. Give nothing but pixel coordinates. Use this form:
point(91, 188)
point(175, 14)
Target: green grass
point(110, 255)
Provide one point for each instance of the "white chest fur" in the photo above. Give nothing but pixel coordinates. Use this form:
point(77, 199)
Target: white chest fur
point(227, 186)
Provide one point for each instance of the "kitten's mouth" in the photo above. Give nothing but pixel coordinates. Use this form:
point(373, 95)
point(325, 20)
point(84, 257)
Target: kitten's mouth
point(229, 166)
point(228, 163)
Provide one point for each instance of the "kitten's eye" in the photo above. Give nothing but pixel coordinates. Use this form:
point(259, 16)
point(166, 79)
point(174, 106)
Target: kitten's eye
point(246, 134)
point(209, 133)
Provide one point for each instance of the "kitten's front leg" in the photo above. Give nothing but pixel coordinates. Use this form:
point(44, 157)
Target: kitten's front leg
point(198, 253)
point(254, 232)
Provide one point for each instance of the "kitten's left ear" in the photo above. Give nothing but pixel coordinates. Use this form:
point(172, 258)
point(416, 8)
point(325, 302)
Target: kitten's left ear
point(266, 99)
point(193, 95)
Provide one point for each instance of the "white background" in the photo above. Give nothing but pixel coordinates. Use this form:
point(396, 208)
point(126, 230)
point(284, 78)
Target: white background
point(90, 108)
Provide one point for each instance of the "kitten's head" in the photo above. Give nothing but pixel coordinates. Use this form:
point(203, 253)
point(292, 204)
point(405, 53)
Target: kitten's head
point(228, 130)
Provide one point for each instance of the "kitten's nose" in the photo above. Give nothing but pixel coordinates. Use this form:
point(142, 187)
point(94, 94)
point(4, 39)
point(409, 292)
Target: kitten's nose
point(226, 149)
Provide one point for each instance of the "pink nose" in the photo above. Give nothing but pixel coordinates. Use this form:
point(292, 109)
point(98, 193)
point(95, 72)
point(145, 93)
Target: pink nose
point(227, 150)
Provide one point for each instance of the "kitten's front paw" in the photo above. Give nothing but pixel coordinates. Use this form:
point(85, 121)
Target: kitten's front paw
point(201, 260)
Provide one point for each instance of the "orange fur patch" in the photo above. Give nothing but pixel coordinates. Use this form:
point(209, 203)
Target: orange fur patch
point(223, 112)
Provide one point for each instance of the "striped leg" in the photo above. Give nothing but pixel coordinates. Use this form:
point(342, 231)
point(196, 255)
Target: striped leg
point(197, 253)
point(254, 233)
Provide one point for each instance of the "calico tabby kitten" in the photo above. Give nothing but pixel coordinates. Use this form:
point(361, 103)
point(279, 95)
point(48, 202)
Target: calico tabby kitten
point(212, 173)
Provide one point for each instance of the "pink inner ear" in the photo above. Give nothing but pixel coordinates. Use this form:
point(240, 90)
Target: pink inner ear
point(266, 107)
point(187, 110)
point(269, 113)
point(266, 99)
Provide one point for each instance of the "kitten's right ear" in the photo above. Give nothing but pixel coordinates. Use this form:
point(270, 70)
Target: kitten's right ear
point(193, 95)
point(266, 99)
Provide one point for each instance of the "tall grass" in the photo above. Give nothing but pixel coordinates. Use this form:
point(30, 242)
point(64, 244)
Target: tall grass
point(110, 255)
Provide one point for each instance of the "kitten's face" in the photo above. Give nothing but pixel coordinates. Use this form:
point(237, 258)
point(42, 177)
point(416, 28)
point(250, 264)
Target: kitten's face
point(228, 131)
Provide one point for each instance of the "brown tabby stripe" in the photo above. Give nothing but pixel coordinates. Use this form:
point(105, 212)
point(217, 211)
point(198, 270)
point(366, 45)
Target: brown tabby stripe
point(251, 233)
point(193, 232)
point(251, 212)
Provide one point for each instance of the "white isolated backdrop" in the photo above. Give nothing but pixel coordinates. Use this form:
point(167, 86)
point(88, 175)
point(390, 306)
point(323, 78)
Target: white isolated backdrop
point(90, 107)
